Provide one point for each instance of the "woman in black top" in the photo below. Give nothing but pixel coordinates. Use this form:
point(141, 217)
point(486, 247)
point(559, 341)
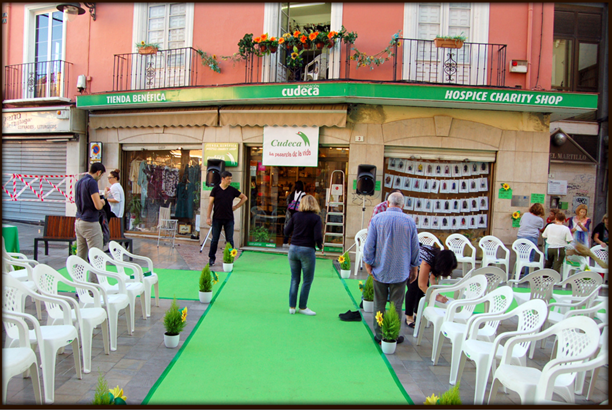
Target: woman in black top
point(297, 195)
point(600, 233)
point(307, 232)
point(434, 264)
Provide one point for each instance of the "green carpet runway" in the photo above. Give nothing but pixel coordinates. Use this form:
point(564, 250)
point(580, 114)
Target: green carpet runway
point(248, 349)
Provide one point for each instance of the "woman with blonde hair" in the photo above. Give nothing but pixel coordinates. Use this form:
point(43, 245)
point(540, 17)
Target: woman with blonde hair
point(306, 227)
point(531, 225)
point(580, 225)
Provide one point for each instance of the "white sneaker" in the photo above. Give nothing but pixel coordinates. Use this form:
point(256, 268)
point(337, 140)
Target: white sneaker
point(292, 311)
point(285, 245)
point(307, 312)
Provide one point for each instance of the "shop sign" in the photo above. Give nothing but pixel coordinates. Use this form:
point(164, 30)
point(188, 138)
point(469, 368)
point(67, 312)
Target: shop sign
point(262, 244)
point(557, 187)
point(35, 122)
point(227, 151)
point(291, 146)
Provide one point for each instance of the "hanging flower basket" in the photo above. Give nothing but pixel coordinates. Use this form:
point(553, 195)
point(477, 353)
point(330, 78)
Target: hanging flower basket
point(448, 43)
point(273, 49)
point(147, 50)
point(320, 46)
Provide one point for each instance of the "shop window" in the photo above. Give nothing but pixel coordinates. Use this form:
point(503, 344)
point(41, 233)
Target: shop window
point(164, 178)
point(270, 187)
point(443, 197)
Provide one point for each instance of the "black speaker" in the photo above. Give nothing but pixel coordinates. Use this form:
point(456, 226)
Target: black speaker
point(214, 168)
point(366, 179)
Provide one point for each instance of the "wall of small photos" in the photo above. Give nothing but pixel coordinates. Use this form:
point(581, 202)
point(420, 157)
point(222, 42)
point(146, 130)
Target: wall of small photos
point(444, 196)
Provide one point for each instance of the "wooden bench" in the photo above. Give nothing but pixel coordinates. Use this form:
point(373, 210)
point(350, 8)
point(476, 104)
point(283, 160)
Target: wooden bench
point(116, 234)
point(57, 229)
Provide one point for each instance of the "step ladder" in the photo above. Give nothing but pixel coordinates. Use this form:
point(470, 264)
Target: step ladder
point(334, 215)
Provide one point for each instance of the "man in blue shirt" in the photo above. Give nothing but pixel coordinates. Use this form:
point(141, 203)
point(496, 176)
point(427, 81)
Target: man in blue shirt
point(88, 203)
point(391, 256)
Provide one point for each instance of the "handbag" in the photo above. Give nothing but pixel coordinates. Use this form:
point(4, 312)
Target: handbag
point(295, 204)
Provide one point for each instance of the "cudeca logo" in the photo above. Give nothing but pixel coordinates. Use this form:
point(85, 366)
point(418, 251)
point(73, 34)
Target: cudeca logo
point(300, 90)
point(287, 143)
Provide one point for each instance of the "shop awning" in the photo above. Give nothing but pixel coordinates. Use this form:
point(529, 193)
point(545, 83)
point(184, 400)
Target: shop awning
point(330, 115)
point(187, 117)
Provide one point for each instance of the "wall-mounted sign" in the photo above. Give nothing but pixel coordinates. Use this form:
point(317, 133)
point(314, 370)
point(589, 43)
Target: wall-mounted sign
point(557, 187)
point(95, 152)
point(291, 146)
point(35, 122)
point(227, 151)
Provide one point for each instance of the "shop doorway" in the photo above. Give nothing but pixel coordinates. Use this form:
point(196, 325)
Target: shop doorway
point(270, 186)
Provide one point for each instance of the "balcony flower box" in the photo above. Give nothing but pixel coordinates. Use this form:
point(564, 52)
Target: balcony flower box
point(147, 50)
point(448, 43)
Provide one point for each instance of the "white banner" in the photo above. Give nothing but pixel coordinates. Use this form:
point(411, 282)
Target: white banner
point(291, 146)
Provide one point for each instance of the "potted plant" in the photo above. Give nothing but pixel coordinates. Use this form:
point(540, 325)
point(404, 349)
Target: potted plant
point(207, 280)
point(174, 322)
point(449, 42)
point(390, 328)
point(147, 48)
point(228, 258)
point(448, 398)
point(105, 396)
point(368, 295)
point(345, 265)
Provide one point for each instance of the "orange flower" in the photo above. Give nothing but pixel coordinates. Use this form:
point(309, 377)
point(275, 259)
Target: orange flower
point(281, 40)
point(272, 38)
point(264, 37)
point(296, 34)
point(256, 40)
point(313, 35)
point(303, 39)
point(331, 34)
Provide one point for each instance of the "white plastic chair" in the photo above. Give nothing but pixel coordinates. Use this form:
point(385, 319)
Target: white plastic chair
point(490, 246)
point(578, 338)
point(360, 238)
point(523, 248)
point(79, 270)
point(16, 255)
point(472, 288)
point(457, 243)
point(48, 338)
point(603, 354)
point(17, 360)
point(166, 227)
point(118, 253)
point(581, 284)
point(531, 316)
point(541, 285)
point(498, 300)
point(135, 287)
point(85, 319)
point(427, 238)
point(601, 253)
point(25, 275)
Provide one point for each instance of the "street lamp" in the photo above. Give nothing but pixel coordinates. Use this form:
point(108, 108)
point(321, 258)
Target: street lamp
point(72, 10)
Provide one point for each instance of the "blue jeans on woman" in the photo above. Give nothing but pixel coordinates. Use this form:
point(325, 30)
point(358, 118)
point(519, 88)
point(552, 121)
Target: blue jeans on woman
point(301, 258)
point(532, 254)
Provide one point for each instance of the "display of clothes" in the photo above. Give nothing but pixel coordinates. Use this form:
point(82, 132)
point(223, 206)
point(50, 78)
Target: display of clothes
point(158, 182)
point(134, 173)
point(186, 190)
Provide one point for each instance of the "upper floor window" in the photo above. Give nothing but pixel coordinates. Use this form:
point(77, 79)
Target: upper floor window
point(576, 48)
point(167, 24)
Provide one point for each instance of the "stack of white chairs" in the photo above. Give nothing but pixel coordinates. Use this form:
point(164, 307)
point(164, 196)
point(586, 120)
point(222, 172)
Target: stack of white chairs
point(531, 316)
point(25, 275)
point(523, 249)
point(48, 339)
point(21, 358)
point(113, 303)
point(601, 253)
point(149, 277)
point(541, 285)
point(578, 339)
point(457, 243)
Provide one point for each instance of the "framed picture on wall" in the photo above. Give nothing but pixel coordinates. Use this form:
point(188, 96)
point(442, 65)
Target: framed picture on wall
point(437, 170)
point(444, 224)
point(484, 184)
point(465, 205)
point(417, 221)
point(435, 185)
point(474, 205)
point(429, 170)
point(474, 168)
point(419, 168)
point(425, 221)
point(456, 170)
point(427, 205)
point(425, 185)
point(392, 164)
point(416, 184)
point(444, 186)
point(408, 203)
point(466, 170)
point(388, 181)
point(446, 206)
point(455, 206)
point(464, 186)
point(483, 203)
point(453, 186)
point(418, 204)
point(398, 182)
point(454, 221)
point(472, 222)
point(407, 184)
point(484, 168)
point(435, 222)
point(482, 220)
point(474, 185)
point(410, 167)
point(437, 205)
point(401, 165)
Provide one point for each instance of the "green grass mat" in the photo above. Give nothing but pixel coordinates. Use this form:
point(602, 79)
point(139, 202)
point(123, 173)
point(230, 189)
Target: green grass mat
point(182, 283)
point(248, 349)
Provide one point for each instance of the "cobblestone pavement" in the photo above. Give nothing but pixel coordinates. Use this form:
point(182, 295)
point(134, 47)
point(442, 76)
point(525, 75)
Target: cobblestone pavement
point(142, 357)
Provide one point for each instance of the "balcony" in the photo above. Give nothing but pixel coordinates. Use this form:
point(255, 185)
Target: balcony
point(39, 81)
point(167, 69)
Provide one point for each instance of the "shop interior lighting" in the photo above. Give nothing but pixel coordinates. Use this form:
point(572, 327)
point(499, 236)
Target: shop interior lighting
point(72, 10)
point(295, 6)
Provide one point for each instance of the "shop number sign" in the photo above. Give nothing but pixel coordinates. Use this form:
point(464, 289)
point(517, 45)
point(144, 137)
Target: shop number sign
point(291, 146)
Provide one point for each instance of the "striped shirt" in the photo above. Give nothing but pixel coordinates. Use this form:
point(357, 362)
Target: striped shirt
point(382, 207)
point(392, 246)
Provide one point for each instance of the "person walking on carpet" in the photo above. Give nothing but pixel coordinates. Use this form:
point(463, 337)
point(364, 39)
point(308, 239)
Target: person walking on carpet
point(306, 227)
point(222, 199)
point(391, 256)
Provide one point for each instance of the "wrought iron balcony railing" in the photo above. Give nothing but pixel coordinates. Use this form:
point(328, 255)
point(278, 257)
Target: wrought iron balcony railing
point(413, 61)
point(167, 69)
point(42, 79)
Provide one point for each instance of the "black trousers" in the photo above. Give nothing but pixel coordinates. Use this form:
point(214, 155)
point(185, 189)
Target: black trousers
point(413, 296)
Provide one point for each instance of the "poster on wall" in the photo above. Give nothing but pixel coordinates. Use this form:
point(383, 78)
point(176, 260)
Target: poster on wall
point(291, 146)
point(226, 151)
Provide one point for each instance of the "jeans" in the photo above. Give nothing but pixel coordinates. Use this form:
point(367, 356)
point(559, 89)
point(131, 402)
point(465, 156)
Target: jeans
point(383, 291)
point(217, 224)
point(301, 258)
point(532, 255)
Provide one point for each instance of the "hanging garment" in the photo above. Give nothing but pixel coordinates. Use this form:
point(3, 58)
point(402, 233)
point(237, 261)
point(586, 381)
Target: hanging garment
point(143, 182)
